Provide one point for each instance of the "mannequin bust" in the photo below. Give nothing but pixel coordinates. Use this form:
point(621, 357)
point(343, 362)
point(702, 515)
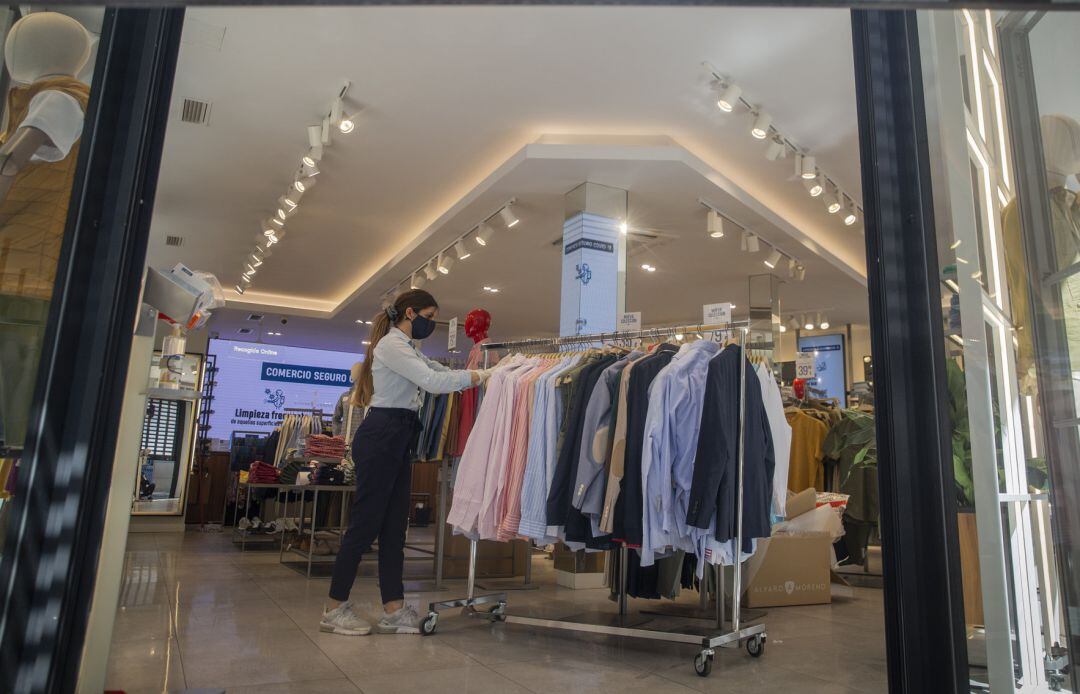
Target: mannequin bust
point(40, 47)
point(39, 146)
point(477, 324)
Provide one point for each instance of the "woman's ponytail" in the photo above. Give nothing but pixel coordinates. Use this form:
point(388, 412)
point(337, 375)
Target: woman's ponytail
point(417, 300)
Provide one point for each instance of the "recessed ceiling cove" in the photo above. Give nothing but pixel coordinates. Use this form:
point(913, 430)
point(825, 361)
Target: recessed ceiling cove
point(457, 114)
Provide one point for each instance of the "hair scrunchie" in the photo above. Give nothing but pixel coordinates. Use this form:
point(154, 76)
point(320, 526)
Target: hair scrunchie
point(392, 313)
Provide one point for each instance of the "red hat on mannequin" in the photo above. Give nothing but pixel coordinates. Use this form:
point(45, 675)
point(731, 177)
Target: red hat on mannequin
point(477, 323)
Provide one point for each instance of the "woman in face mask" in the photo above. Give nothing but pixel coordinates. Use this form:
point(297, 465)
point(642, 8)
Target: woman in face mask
point(393, 374)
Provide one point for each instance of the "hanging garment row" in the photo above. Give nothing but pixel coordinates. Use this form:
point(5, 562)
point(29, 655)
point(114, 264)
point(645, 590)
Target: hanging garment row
point(290, 435)
point(608, 448)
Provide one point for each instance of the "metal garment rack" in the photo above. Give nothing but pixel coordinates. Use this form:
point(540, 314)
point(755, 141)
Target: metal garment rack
point(753, 636)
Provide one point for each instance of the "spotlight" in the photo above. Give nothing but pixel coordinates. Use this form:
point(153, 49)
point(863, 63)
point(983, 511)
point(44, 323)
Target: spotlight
point(783, 328)
point(774, 150)
point(310, 169)
point(429, 271)
point(484, 233)
point(313, 155)
point(823, 321)
point(508, 217)
point(337, 112)
point(256, 259)
point(462, 252)
point(294, 196)
point(418, 281)
point(809, 167)
point(760, 129)
point(773, 260)
point(750, 242)
point(314, 136)
point(239, 289)
point(808, 323)
point(850, 216)
point(728, 97)
point(325, 135)
point(276, 223)
point(347, 125)
point(286, 204)
point(304, 184)
point(715, 225)
point(648, 268)
point(445, 263)
point(800, 273)
point(832, 203)
point(624, 228)
point(269, 229)
point(245, 278)
point(814, 186)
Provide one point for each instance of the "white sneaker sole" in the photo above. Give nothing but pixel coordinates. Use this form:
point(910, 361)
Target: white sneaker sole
point(334, 629)
point(380, 629)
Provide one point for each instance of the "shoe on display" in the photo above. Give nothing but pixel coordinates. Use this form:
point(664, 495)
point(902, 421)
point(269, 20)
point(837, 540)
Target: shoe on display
point(322, 548)
point(255, 522)
point(244, 523)
point(404, 621)
point(343, 620)
point(290, 524)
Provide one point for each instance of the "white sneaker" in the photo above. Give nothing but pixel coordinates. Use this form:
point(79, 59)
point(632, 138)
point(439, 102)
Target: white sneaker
point(342, 620)
point(404, 621)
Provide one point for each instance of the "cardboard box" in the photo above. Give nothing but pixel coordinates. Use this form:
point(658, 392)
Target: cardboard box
point(790, 570)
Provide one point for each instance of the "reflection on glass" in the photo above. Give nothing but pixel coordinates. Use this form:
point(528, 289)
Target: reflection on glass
point(45, 97)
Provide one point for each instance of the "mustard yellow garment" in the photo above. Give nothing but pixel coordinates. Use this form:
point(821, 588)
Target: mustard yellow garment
point(805, 469)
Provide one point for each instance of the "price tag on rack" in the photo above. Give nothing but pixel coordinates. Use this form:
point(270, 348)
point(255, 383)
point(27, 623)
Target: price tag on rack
point(805, 365)
point(712, 314)
point(630, 321)
point(451, 340)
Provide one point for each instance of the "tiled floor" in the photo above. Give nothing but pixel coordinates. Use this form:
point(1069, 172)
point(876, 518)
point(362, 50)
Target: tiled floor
point(198, 614)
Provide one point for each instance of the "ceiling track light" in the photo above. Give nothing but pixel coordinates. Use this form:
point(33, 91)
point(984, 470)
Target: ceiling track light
point(773, 259)
point(791, 265)
point(814, 186)
point(314, 154)
point(314, 136)
point(832, 203)
point(484, 233)
point(462, 252)
point(800, 272)
point(508, 217)
point(347, 125)
point(418, 281)
point(715, 225)
point(429, 271)
point(310, 169)
point(294, 196)
point(808, 322)
point(783, 328)
point(850, 215)
point(337, 111)
point(728, 97)
point(823, 321)
point(276, 223)
point(775, 149)
point(809, 167)
point(445, 262)
point(286, 204)
point(750, 242)
point(762, 123)
point(304, 184)
point(793, 323)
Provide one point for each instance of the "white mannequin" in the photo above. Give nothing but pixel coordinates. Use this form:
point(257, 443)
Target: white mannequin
point(40, 46)
point(1061, 148)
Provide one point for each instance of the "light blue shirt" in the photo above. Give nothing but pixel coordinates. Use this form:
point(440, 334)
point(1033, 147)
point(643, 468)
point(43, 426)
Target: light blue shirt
point(539, 465)
point(672, 427)
point(399, 372)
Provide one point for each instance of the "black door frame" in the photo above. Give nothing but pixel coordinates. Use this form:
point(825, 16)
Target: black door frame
point(47, 581)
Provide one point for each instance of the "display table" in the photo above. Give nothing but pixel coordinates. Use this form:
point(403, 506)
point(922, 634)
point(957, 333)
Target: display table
point(241, 537)
point(325, 490)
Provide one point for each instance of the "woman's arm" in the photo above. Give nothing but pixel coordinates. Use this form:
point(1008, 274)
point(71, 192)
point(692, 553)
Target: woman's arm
point(402, 359)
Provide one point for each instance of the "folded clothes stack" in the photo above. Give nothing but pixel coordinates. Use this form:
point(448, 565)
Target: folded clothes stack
point(325, 446)
point(261, 473)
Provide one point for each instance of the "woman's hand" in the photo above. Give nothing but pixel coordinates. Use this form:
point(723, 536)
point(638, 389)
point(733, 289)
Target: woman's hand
point(480, 376)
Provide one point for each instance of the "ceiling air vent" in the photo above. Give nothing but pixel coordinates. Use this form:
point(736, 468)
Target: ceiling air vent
point(195, 111)
point(175, 241)
point(255, 316)
point(245, 331)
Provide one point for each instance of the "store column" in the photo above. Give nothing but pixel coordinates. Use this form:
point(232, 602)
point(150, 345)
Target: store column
point(594, 259)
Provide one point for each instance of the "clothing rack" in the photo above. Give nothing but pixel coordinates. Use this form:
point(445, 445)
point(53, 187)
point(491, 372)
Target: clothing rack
point(753, 636)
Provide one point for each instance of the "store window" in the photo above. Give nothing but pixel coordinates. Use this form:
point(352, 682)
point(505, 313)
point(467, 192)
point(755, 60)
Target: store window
point(45, 87)
point(1004, 124)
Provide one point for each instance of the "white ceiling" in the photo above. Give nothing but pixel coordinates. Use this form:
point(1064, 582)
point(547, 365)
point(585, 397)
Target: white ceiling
point(450, 100)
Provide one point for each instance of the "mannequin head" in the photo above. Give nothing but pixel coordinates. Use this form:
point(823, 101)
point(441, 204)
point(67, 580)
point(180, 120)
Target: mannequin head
point(1061, 147)
point(46, 44)
point(477, 323)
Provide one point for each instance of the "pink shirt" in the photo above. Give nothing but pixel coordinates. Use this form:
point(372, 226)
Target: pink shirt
point(509, 516)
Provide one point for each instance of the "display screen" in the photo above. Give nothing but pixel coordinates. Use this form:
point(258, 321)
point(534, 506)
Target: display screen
point(257, 383)
point(830, 381)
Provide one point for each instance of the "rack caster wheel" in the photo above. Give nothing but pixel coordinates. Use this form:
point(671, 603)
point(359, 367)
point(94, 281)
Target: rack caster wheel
point(755, 646)
point(430, 624)
point(703, 663)
point(498, 613)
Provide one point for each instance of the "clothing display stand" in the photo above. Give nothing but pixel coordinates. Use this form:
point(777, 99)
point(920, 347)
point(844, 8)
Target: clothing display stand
point(623, 624)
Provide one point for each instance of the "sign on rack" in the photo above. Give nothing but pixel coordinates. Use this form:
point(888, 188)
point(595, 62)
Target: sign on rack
point(629, 321)
point(451, 340)
point(712, 314)
point(805, 365)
